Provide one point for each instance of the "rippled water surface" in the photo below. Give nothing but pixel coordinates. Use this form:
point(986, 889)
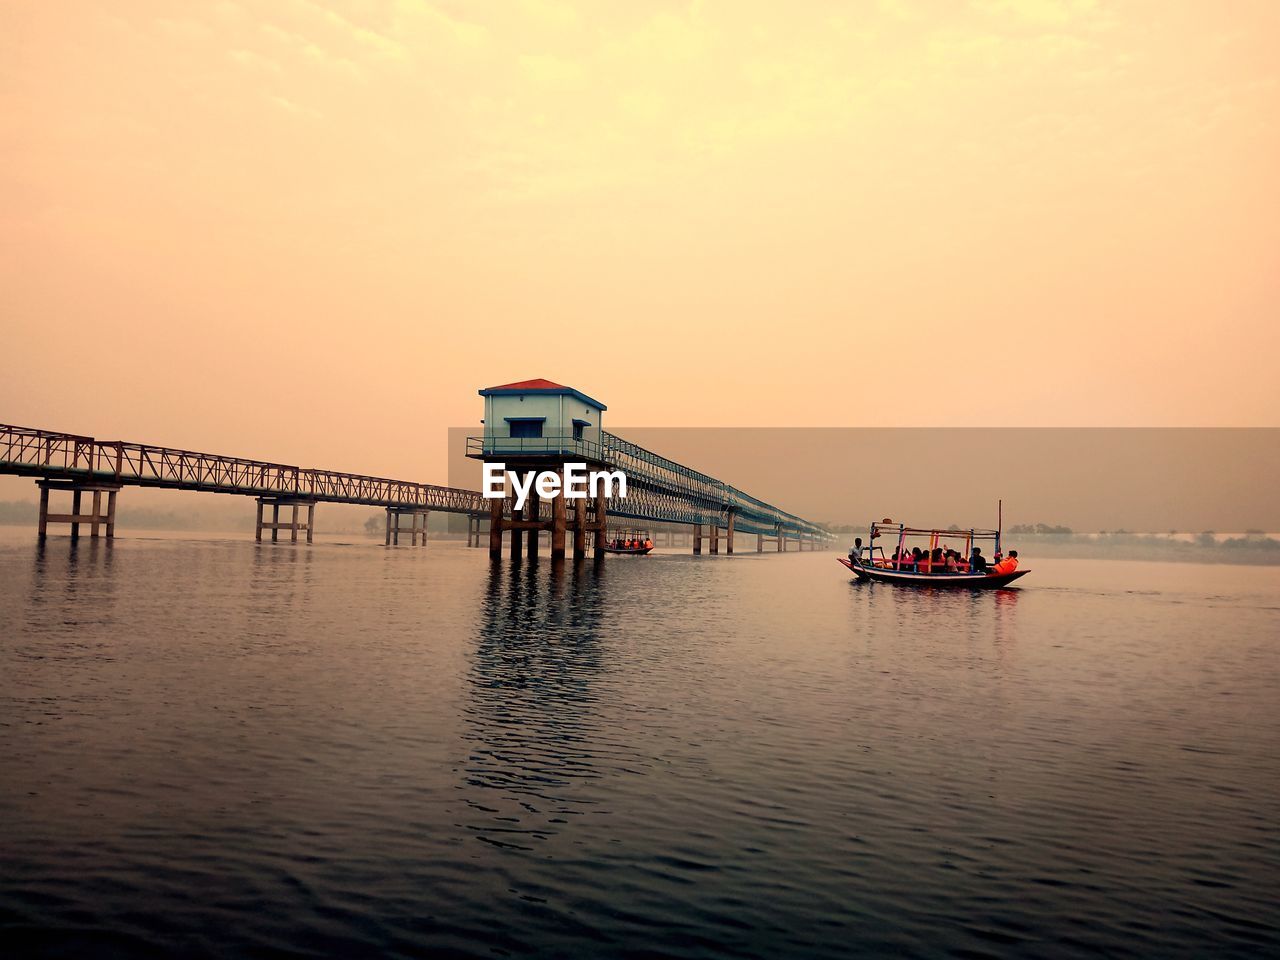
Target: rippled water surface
point(221, 747)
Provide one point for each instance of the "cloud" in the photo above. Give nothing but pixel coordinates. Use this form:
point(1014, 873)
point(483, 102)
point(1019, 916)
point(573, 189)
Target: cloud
point(1048, 12)
point(552, 72)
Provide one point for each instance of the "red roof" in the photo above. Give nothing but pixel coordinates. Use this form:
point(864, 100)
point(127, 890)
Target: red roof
point(538, 384)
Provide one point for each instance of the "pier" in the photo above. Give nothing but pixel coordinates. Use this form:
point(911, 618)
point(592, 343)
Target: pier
point(661, 492)
point(77, 465)
point(538, 425)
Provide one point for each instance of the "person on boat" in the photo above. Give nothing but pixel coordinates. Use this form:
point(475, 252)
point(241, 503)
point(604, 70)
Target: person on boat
point(648, 543)
point(855, 552)
point(977, 563)
point(1007, 565)
point(916, 556)
point(951, 564)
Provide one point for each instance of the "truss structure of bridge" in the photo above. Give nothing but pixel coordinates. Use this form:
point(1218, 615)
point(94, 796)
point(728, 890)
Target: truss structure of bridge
point(659, 490)
point(100, 468)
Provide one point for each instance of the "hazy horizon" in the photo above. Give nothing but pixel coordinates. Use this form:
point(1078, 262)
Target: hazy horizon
point(309, 232)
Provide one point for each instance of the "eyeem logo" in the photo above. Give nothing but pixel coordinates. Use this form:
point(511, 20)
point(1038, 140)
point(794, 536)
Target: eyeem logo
point(577, 483)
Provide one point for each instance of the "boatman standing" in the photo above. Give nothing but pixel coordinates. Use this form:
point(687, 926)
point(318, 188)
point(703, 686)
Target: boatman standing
point(855, 555)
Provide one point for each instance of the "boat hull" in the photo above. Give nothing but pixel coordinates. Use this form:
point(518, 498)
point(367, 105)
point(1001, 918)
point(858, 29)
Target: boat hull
point(639, 552)
point(967, 581)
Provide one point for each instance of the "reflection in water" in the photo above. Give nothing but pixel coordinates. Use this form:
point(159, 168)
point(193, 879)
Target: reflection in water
point(534, 728)
point(1006, 608)
point(210, 747)
point(72, 585)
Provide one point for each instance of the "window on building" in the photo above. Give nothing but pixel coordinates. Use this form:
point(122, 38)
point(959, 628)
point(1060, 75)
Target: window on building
point(526, 429)
point(577, 428)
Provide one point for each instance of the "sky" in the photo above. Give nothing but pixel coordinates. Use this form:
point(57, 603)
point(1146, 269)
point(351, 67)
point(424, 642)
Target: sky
point(309, 231)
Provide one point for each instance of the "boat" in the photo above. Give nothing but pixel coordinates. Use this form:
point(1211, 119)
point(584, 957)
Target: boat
point(870, 563)
point(643, 543)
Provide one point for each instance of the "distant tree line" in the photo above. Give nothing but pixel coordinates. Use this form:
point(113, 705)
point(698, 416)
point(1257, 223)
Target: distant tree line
point(1039, 529)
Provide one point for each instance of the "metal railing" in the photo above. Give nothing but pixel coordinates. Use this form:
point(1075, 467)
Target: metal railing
point(659, 489)
point(41, 453)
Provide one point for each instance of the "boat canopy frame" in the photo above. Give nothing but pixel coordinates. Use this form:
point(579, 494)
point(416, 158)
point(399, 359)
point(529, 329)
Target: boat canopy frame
point(935, 534)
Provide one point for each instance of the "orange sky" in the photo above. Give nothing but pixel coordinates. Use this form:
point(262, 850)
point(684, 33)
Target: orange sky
point(309, 230)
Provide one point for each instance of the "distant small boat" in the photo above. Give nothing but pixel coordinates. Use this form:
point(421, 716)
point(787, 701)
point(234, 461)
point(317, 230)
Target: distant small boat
point(633, 543)
point(870, 562)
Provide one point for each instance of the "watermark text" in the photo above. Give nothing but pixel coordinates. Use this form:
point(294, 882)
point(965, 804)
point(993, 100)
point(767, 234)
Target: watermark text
point(577, 483)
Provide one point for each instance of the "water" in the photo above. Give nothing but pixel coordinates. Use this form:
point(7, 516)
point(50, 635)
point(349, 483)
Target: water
point(216, 747)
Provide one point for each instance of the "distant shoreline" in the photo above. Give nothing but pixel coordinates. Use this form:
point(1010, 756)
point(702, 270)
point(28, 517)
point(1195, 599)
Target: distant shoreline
point(1242, 549)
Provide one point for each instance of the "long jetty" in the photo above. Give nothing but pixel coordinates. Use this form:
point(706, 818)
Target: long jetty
point(662, 492)
point(100, 468)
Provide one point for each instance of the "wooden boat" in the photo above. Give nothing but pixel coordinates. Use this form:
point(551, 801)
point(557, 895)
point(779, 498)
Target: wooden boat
point(870, 563)
point(640, 537)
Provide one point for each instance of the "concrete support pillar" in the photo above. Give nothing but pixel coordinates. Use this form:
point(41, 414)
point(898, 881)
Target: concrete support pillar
point(602, 515)
point(495, 529)
point(533, 536)
point(96, 519)
point(558, 523)
point(759, 543)
point(782, 540)
point(579, 529)
point(714, 529)
point(728, 537)
point(294, 524)
point(517, 535)
point(697, 538)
